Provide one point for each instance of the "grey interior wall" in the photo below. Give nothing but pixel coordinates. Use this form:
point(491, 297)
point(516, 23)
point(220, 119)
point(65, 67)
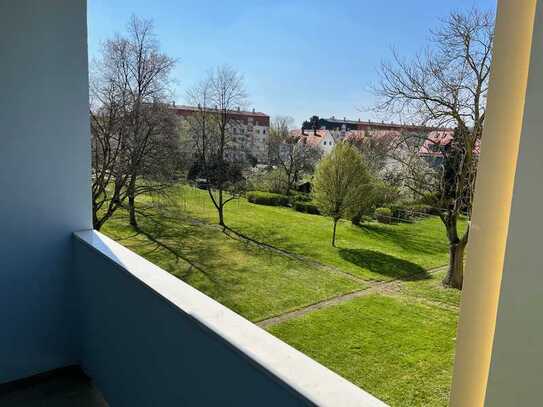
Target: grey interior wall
point(517, 360)
point(143, 351)
point(44, 178)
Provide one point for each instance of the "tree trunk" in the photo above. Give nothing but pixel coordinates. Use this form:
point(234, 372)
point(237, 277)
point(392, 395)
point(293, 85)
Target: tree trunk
point(96, 223)
point(455, 272)
point(220, 208)
point(221, 216)
point(132, 202)
point(457, 246)
point(334, 233)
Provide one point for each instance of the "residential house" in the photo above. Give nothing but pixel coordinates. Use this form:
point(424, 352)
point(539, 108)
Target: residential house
point(320, 139)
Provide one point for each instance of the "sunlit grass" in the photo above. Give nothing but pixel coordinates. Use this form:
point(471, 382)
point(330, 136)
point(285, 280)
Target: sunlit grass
point(253, 282)
point(372, 251)
point(399, 350)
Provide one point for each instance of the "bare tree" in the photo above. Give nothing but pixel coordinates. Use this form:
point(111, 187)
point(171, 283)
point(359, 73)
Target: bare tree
point(213, 128)
point(446, 85)
point(108, 140)
point(134, 133)
point(292, 155)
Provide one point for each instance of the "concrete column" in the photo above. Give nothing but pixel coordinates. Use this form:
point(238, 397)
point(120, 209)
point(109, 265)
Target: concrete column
point(504, 264)
point(44, 179)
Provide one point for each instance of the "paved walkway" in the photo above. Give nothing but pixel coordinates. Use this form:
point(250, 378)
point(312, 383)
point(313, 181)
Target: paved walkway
point(390, 286)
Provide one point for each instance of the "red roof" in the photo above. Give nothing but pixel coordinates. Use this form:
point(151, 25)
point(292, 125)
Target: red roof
point(311, 137)
point(440, 138)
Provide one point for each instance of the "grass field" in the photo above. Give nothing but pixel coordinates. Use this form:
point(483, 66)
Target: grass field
point(397, 344)
point(399, 350)
point(373, 251)
point(255, 283)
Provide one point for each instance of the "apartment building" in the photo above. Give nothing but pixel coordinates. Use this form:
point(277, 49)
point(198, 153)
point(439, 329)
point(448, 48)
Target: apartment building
point(249, 133)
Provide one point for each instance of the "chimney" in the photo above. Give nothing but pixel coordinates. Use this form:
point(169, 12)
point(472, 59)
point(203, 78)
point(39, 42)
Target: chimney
point(239, 108)
point(173, 103)
point(253, 109)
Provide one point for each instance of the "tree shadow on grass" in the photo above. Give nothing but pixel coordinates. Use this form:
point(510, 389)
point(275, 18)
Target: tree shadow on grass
point(163, 236)
point(270, 240)
point(410, 240)
point(383, 264)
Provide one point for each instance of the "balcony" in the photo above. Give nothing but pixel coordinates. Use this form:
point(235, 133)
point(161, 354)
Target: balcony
point(85, 321)
point(158, 336)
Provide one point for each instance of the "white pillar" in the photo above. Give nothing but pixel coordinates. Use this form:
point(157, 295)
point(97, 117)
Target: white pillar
point(499, 360)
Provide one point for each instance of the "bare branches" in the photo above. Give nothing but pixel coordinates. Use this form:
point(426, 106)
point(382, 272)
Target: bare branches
point(445, 85)
point(134, 134)
point(211, 131)
point(291, 154)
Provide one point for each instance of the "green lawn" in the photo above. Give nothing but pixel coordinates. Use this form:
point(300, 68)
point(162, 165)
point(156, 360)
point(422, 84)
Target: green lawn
point(373, 251)
point(255, 283)
point(430, 289)
point(398, 346)
point(399, 350)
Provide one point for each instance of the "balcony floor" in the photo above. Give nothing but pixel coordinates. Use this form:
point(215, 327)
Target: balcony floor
point(63, 387)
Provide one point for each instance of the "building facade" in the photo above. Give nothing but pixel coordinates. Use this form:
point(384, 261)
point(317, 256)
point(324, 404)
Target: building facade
point(323, 140)
point(429, 140)
point(248, 133)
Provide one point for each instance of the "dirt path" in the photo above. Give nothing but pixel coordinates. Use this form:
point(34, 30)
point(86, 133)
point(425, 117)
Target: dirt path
point(386, 287)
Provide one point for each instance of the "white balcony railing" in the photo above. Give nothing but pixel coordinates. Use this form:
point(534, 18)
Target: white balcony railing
point(148, 338)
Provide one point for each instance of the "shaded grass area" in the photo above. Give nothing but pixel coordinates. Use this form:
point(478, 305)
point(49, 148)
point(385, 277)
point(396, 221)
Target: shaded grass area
point(399, 350)
point(407, 247)
point(431, 289)
point(381, 263)
point(253, 282)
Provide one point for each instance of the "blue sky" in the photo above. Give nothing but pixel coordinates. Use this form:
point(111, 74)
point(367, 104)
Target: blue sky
point(298, 57)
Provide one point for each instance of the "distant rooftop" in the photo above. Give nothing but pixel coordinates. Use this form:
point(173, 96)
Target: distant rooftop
point(370, 123)
point(237, 111)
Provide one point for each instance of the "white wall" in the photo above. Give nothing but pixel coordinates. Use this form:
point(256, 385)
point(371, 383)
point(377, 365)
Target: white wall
point(44, 178)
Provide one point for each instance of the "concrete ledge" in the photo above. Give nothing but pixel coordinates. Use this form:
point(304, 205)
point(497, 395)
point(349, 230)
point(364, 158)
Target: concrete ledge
point(285, 365)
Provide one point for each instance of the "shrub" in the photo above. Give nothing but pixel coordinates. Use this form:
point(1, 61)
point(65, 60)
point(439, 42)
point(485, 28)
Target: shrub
point(300, 197)
point(412, 211)
point(267, 198)
point(306, 207)
point(401, 213)
point(383, 215)
point(266, 180)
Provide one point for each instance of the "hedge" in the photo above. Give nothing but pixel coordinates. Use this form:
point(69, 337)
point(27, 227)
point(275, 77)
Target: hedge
point(306, 207)
point(412, 211)
point(383, 215)
point(267, 198)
